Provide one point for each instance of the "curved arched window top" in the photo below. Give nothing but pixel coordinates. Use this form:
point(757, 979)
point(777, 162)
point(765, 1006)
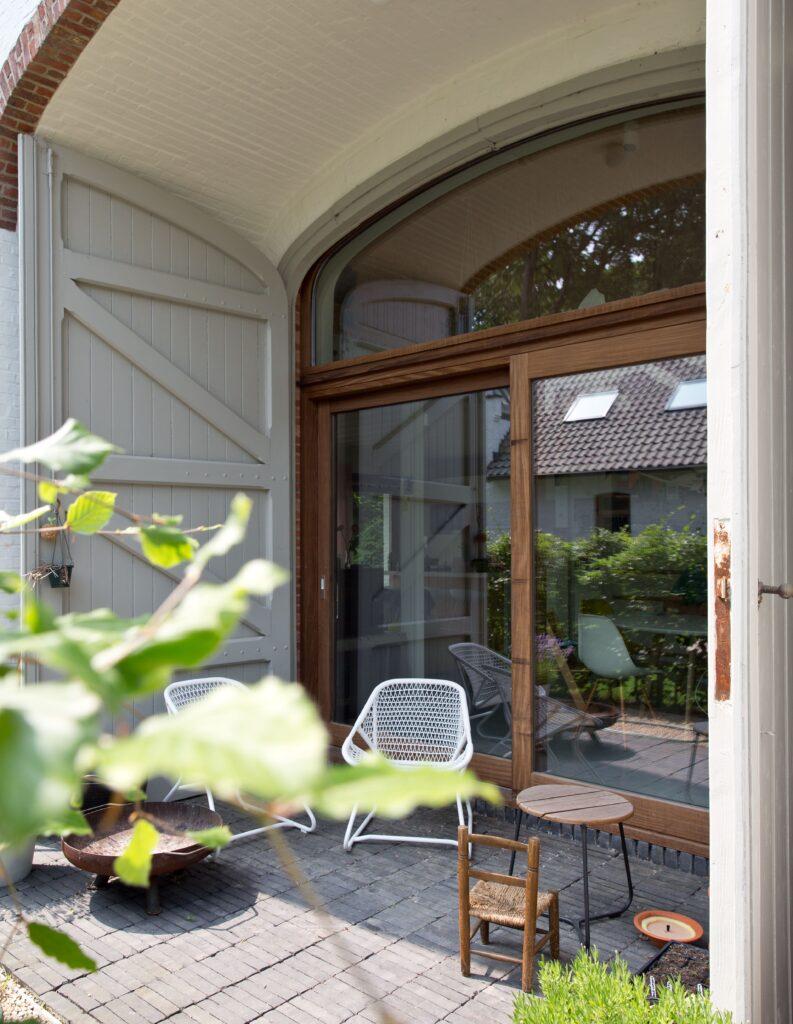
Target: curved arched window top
point(591, 214)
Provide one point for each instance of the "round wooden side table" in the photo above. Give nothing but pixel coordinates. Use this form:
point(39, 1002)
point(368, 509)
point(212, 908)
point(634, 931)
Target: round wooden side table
point(587, 807)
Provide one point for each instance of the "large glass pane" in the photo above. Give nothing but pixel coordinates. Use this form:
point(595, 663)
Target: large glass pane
point(422, 528)
point(621, 578)
point(551, 226)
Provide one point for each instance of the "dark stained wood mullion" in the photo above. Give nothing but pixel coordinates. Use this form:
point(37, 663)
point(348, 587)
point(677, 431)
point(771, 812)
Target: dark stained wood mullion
point(325, 561)
point(668, 336)
point(522, 573)
point(675, 305)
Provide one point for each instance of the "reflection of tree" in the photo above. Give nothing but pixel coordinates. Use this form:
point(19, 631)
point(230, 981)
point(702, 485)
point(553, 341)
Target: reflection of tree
point(648, 243)
point(499, 577)
point(364, 546)
point(659, 563)
point(608, 572)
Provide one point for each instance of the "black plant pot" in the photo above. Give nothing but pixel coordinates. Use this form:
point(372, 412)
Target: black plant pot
point(97, 794)
point(60, 575)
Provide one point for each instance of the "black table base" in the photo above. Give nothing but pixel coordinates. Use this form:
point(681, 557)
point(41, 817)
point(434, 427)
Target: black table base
point(583, 925)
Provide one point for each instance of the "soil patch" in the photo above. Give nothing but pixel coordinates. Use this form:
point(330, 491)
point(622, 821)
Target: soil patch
point(691, 964)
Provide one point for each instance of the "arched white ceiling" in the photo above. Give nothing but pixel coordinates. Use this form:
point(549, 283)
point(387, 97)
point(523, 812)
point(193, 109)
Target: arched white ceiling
point(267, 112)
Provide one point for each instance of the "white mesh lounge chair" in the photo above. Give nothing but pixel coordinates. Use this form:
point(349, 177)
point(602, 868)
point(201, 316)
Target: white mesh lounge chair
point(412, 722)
point(177, 697)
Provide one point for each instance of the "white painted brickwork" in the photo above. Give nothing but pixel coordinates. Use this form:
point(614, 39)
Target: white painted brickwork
point(14, 15)
point(9, 384)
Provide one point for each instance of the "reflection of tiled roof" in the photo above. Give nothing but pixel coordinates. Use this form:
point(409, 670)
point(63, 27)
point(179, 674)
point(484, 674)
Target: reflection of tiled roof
point(498, 467)
point(637, 433)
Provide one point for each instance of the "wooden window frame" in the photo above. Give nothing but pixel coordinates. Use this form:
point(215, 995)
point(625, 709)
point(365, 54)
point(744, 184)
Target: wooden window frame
point(661, 325)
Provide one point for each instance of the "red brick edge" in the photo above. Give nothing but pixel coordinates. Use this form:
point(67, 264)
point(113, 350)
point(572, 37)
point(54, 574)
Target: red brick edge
point(41, 58)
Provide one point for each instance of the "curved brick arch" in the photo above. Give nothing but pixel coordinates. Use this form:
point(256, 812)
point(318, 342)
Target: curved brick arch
point(44, 53)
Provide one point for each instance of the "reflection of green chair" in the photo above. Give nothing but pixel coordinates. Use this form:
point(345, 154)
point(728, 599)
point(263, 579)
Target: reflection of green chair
point(603, 651)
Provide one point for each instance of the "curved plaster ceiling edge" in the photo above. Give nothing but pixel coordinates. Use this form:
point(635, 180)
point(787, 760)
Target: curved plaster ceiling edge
point(655, 76)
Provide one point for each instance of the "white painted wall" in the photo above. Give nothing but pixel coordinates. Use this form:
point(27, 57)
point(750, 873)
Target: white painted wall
point(9, 387)
point(14, 15)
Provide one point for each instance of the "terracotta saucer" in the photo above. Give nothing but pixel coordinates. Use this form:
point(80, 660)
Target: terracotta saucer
point(662, 926)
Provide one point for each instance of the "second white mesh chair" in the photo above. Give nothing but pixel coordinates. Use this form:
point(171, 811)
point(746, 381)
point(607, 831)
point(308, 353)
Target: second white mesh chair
point(180, 695)
point(412, 722)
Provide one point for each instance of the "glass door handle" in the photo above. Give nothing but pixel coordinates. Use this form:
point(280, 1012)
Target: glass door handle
point(784, 590)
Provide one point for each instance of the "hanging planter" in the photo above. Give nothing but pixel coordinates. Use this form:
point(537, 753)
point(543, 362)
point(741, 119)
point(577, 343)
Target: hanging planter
point(59, 570)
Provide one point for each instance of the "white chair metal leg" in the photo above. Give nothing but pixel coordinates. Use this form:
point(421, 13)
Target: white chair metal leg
point(174, 788)
point(354, 835)
point(347, 843)
point(312, 822)
point(351, 837)
point(466, 819)
point(278, 822)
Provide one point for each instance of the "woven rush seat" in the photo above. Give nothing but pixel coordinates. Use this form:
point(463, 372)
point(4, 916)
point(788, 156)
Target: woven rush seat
point(504, 904)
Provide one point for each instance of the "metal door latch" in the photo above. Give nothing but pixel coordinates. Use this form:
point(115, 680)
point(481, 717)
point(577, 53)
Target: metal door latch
point(784, 590)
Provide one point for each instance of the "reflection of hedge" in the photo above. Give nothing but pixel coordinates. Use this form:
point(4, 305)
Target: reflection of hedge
point(658, 563)
point(499, 577)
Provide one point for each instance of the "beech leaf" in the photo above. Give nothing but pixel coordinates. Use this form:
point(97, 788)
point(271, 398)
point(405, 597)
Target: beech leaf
point(134, 864)
point(91, 511)
point(166, 546)
point(59, 946)
point(71, 449)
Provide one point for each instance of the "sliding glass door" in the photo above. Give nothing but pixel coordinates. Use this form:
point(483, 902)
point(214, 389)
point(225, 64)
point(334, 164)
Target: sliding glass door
point(619, 578)
point(547, 550)
point(421, 536)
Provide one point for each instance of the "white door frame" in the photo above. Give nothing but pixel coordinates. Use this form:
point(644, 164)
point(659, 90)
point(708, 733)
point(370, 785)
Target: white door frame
point(750, 415)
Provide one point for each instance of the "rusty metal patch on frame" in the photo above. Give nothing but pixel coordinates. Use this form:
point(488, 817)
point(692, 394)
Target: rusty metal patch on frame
point(722, 585)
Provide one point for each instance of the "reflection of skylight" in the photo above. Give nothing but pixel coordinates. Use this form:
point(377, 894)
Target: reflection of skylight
point(591, 407)
point(689, 394)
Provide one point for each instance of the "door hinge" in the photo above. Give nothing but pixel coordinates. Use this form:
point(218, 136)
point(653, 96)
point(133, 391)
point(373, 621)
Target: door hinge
point(783, 590)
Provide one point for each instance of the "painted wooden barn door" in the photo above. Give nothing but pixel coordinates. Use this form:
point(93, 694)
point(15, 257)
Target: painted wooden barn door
point(166, 333)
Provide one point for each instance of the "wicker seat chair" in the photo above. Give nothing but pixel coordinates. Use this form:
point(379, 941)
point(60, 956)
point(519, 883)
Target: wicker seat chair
point(180, 695)
point(412, 722)
point(506, 901)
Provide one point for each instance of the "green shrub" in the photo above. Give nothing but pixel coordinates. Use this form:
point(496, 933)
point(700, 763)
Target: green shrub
point(591, 992)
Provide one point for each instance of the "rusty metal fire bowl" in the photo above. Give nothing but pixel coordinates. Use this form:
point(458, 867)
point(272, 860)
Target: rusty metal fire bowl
point(112, 831)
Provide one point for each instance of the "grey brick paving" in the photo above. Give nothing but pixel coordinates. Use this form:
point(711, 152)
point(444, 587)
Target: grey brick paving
point(236, 944)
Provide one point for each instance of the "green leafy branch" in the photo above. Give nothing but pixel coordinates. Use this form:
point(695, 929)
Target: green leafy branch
point(77, 452)
point(264, 743)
